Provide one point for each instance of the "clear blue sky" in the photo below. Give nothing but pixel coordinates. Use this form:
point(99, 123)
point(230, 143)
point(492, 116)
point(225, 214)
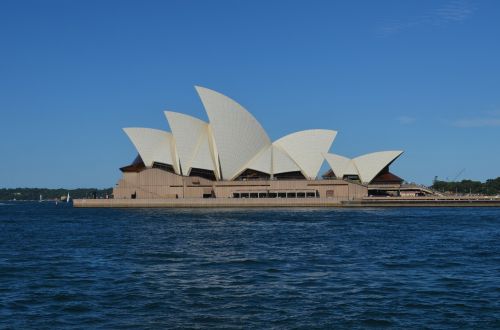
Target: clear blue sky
point(421, 76)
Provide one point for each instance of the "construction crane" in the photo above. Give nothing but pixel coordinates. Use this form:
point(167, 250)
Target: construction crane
point(458, 175)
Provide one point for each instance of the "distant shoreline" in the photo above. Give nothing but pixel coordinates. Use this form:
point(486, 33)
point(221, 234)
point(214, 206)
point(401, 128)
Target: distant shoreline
point(33, 194)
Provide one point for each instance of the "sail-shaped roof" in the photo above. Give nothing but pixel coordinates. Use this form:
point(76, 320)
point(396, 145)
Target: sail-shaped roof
point(306, 148)
point(341, 165)
point(282, 162)
point(262, 161)
point(370, 165)
point(154, 145)
point(367, 167)
point(238, 136)
point(273, 160)
point(192, 140)
point(234, 141)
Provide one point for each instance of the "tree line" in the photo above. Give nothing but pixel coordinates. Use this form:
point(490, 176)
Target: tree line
point(490, 187)
point(34, 193)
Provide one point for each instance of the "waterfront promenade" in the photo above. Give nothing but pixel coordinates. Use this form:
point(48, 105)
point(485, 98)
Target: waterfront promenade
point(434, 201)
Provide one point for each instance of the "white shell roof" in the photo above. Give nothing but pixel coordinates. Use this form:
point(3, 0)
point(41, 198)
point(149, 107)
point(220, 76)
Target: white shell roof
point(370, 165)
point(262, 161)
point(239, 137)
point(273, 160)
point(282, 162)
point(234, 141)
point(367, 167)
point(306, 148)
point(154, 145)
point(341, 165)
point(192, 140)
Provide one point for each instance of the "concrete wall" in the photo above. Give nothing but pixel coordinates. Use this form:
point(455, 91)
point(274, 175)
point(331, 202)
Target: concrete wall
point(292, 202)
point(159, 184)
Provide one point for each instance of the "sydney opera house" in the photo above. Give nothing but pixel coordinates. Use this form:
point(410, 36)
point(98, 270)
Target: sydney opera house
point(232, 157)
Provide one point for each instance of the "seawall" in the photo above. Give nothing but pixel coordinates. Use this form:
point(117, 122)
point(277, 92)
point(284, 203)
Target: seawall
point(291, 202)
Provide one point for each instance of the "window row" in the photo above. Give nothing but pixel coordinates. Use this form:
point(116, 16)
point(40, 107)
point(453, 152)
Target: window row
point(299, 194)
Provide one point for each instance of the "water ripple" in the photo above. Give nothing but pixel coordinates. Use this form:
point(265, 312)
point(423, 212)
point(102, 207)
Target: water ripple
point(306, 268)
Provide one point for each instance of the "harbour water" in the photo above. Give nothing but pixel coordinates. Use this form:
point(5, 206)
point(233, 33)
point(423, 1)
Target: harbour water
point(62, 267)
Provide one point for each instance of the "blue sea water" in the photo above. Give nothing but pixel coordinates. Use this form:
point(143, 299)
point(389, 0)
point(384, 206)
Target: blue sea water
point(69, 268)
